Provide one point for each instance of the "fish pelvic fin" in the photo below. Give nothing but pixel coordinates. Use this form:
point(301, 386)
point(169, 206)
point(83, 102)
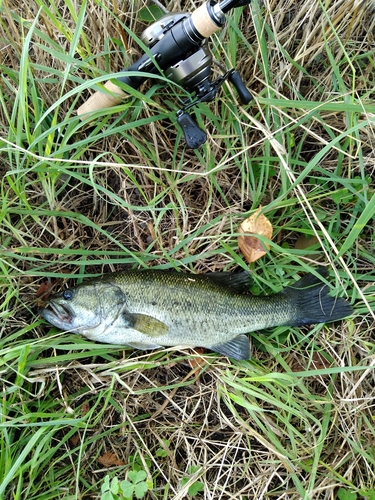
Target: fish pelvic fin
point(237, 348)
point(313, 303)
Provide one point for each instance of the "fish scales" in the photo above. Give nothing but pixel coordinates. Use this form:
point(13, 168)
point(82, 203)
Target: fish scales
point(153, 308)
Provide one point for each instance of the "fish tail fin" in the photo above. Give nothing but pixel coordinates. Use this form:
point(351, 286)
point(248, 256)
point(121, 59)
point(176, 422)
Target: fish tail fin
point(313, 303)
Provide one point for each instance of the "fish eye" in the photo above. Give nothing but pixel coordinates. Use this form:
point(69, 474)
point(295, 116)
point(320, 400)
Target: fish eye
point(68, 294)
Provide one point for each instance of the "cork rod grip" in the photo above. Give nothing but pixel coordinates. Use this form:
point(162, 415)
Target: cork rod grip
point(203, 23)
point(101, 100)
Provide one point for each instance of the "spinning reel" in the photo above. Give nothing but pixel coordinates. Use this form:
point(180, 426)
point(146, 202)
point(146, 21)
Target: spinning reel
point(178, 43)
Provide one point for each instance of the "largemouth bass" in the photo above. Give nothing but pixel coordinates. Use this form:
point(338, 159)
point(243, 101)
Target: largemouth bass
point(153, 308)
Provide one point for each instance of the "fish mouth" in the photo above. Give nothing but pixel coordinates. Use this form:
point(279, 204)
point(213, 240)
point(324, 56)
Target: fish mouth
point(56, 314)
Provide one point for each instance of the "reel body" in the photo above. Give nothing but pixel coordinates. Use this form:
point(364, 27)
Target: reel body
point(193, 73)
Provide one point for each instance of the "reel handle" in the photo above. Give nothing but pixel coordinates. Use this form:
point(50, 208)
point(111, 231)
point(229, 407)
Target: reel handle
point(195, 137)
point(235, 79)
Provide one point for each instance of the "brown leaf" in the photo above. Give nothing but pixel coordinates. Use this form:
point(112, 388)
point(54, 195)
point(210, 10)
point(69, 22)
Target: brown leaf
point(304, 241)
point(251, 246)
point(44, 290)
point(198, 364)
point(316, 362)
point(85, 408)
point(109, 459)
point(75, 439)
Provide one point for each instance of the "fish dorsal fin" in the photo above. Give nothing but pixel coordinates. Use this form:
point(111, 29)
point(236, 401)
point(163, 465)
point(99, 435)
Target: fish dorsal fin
point(237, 348)
point(143, 323)
point(238, 282)
point(307, 281)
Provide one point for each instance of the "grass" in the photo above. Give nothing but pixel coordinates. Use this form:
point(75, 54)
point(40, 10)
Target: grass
point(78, 418)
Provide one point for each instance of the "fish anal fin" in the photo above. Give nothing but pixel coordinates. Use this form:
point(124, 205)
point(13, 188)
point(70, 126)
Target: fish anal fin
point(143, 346)
point(237, 348)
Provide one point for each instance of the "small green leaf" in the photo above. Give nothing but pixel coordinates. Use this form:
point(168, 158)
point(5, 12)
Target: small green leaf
point(193, 468)
point(114, 485)
point(161, 452)
point(107, 495)
point(136, 476)
point(136, 462)
point(195, 488)
point(105, 485)
point(127, 488)
point(338, 195)
point(140, 489)
point(343, 494)
point(132, 475)
point(150, 13)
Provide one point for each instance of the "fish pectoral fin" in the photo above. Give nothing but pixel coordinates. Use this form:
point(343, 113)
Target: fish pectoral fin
point(143, 346)
point(237, 348)
point(148, 325)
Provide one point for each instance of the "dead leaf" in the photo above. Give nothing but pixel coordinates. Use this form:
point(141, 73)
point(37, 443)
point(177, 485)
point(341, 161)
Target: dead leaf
point(109, 459)
point(44, 290)
point(317, 362)
point(304, 241)
point(75, 439)
point(198, 364)
point(85, 408)
point(251, 246)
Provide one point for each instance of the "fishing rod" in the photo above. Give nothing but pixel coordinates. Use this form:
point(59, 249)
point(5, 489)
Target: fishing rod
point(178, 46)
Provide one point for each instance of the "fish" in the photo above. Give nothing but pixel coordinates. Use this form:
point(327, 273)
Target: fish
point(149, 309)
